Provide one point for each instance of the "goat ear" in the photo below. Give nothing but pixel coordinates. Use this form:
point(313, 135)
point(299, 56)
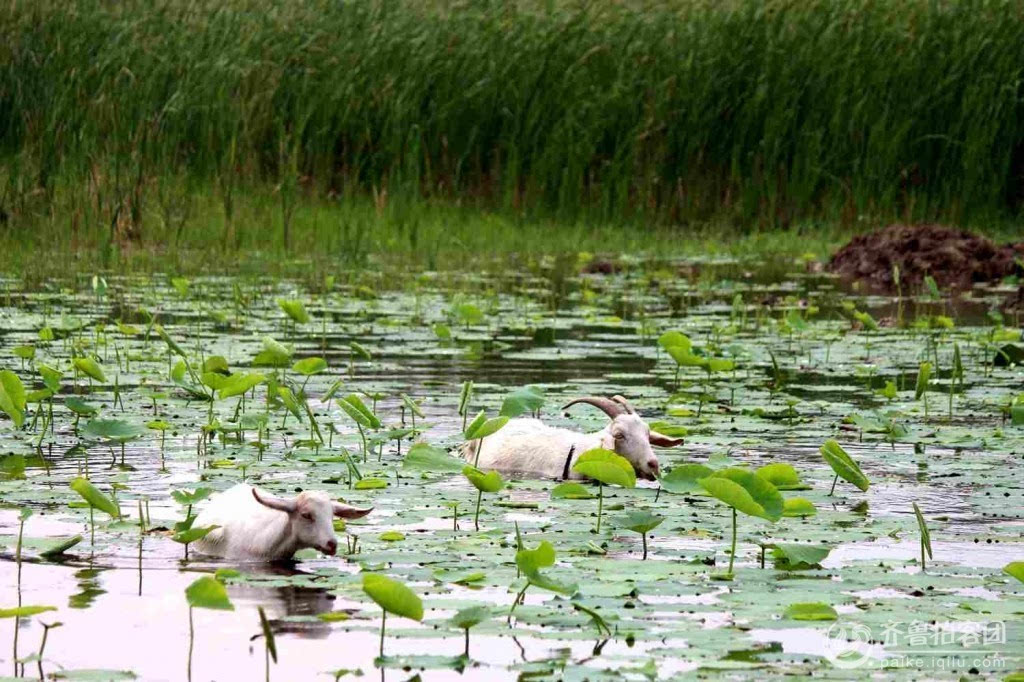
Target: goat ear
point(274, 502)
point(663, 441)
point(343, 511)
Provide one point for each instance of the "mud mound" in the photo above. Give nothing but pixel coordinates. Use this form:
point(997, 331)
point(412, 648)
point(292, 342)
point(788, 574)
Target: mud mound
point(956, 259)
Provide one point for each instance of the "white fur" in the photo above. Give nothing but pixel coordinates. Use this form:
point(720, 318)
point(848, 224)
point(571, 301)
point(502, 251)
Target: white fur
point(250, 530)
point(528, 447)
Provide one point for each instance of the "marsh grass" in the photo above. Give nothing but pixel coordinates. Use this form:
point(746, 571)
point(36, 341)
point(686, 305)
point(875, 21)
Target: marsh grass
point(137, 121)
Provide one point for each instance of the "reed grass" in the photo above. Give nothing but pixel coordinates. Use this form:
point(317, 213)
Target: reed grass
point(117, 118)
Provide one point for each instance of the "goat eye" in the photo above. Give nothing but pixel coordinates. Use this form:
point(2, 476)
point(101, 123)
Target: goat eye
point(619, 436)
point(307, 516)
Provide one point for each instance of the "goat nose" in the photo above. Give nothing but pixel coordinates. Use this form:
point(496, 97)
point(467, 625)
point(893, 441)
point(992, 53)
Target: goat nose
point(331, 547)
point(655, 467)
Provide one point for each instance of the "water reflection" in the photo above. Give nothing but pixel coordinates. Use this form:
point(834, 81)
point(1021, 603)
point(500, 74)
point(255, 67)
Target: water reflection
point(88, 588)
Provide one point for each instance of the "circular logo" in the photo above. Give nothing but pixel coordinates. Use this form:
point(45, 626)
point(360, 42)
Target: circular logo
point(848, 645)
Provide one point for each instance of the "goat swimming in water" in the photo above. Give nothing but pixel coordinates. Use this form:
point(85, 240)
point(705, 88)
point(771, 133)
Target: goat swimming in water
point(528, 447)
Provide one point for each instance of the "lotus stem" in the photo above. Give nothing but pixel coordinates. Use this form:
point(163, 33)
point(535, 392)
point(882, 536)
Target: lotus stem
point(479, 447)
point(519, 597)
point(42, 647)
point(191, 641)
point(732, 552)
point(476, 516)
point(21, 530)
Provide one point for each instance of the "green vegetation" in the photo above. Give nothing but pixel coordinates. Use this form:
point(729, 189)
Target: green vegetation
point(815, 492)
point(349, 128)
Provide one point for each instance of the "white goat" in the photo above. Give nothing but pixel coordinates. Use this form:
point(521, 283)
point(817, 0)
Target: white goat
point(528, 447)
point(257, 525)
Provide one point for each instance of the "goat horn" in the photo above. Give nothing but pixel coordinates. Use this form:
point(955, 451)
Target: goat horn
point(274, 502)
point(663, 441)
point(609, 407)
point(625, 403)
point(345, 511)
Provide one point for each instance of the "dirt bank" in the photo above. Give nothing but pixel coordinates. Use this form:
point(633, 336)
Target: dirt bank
point(956, 259)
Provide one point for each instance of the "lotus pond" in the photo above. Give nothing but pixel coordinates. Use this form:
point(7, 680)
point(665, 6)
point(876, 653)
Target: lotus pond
point(872, 449)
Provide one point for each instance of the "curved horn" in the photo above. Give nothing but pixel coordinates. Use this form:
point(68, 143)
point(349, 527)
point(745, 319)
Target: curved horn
point(344, 511)
point(663, 441)
point(274, 502)
point(609, 407)
point(625, 403)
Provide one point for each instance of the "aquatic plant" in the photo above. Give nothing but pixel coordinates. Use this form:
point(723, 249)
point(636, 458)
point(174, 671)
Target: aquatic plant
point(468, 618)
point(924, 374)
point(480, 428)
point(607, 468)
point(956, 376)
point(12, 397)
point(490, 482)
point(641, 522)
point(269, 643)
point(547, 322)
point(23, 515)
point(926, 537)
point(112, 431)
point(353, 406)
point(526, 400)
point(205, 593)
point(465, 396)
point(843, 465)
point(530, 562)
point(95, 500)
point(184, 532)
point(747, 492)
point(392, 597)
